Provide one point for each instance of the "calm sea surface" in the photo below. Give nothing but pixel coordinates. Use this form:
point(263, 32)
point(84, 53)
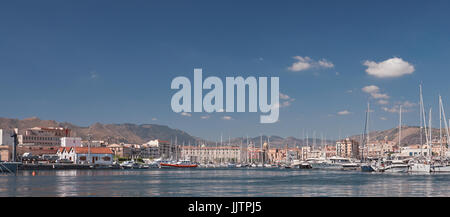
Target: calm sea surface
point(221, 182)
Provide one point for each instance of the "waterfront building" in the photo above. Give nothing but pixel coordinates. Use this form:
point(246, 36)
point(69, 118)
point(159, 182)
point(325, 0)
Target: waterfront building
point(43, 136)
point(150, 152)
point(316, 153)
point(121, 150)
point(304, 152)
point(292, 154)
point(347, 148)
point(276, 155)
point(204, 154)
point(5, 138)
point(6, 142)
point(165, 149)
point(414, 151)
point(5, 153)
point(439, 150)
point(37, 150)
point(70, 142)
point(85, 155)
point(330, 151)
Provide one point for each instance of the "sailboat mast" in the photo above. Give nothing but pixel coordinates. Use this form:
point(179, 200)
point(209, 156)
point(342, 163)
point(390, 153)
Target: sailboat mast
point(440, 122)
point(368, 131)
point(423, 121)
point(431, 138)
point(421, 124)
point(445, 120)
point(307, 139)
point(400, 127)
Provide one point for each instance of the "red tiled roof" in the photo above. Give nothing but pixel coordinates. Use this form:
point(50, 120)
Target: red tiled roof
point(61, 149)
point(93, 150)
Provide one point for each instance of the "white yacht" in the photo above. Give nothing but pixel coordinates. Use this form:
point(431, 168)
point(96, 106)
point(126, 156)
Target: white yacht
point(231, 165)
point(440, 167)
point(268, 165)
point(396, 166)
point(420, 168)
point(331, 163)
point(129, 165)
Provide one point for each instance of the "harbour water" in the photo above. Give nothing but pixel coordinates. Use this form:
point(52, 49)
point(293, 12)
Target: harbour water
point(233, 182)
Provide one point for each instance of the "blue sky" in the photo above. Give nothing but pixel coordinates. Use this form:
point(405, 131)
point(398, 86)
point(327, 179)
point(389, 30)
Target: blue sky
point(113, 61)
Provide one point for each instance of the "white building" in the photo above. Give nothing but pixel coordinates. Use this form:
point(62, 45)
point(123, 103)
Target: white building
point(165, 149)
point(5, 138)
point(70, 142)
point(212, 154)
point(415, 150)
point(86, 155)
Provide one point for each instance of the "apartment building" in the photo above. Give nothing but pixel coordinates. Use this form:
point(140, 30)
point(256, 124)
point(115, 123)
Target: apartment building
point(44, 136)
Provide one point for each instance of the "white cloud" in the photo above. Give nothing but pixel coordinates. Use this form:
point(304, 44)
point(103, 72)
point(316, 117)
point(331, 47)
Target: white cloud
point(374, 91)
point(408, 104)
point(406, 107)
point(371, 89)
point(383, 102)
point(186, 114)
point(325, 63)
point(227, 118)
point(394, 109)
point(345, 112)
point(379, 96)
point(285, 104)
point(383, 118)
point(391, 68)
point(304, 63)
point(285, 101)
point(284, 96)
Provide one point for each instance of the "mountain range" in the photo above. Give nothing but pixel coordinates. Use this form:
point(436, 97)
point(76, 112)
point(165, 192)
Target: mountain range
point(139, 134)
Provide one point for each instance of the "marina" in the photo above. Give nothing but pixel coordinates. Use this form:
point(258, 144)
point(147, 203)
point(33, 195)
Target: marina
point(226, 182)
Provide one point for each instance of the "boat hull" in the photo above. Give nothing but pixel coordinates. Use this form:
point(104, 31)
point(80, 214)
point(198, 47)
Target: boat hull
point(396, 170)
point(420, 168)
point(367, 168)
point(166, 165)
point(327, 166)
point(440, 169)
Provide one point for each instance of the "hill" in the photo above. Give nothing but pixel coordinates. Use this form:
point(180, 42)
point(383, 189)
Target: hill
point(112, 133)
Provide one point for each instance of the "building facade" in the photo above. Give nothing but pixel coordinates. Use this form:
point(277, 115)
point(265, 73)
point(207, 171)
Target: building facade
point(347, 148)
point(5, 153)
point(70, 142)
point(5, 138)
point(161, 149)
point(85, 155)
point(205, 154)
point(44, 136)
